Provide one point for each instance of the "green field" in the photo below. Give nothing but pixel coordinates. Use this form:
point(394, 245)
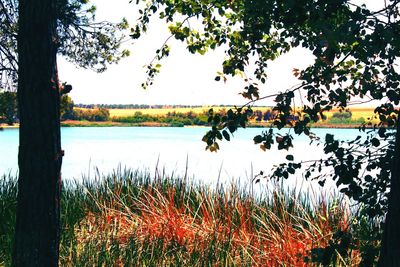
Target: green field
point(164, 111)
point(357, 112)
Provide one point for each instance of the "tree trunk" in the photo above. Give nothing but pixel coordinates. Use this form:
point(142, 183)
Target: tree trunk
point(37, 231)
point(390, 250)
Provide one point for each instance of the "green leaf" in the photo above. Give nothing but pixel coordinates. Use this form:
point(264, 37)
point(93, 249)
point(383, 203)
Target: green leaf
point(329, 138)
point(290, 157)
point(375, 142)
point(226, 135)
point(258, 139)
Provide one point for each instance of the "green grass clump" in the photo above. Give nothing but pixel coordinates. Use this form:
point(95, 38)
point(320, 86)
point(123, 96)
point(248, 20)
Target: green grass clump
point(131, 218)
point(8, 204)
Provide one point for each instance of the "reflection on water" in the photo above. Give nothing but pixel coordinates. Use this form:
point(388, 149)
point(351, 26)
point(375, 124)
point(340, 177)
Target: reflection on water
point(167, 148)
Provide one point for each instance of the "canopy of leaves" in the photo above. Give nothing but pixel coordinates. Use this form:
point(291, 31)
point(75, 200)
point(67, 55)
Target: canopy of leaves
point(8, 107)
point(82, 40)
point(355, 53)
point(66, 107)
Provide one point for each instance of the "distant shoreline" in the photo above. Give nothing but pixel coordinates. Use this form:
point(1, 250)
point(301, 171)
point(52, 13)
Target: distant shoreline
point(6, 126)
point(71, 123)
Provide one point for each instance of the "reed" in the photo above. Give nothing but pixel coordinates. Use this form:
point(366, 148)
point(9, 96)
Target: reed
point(132, 218)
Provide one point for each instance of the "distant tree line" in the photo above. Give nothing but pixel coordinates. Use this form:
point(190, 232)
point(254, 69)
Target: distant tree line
point(68, 112)
point(99, 112)
point(344, 117)
point(96, 114)
point(338, 117)
point(270, 115)
point(191, 118)
point(171, 118)
point(139, 106)
point(9, 110)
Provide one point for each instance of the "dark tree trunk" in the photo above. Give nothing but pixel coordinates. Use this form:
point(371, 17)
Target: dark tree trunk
point(37, 229)
point(390, 251)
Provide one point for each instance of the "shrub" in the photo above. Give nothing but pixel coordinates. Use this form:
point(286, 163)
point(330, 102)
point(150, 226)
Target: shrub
point(172, 118)
point(8, 107)
point(100, 114)
point(342, 115)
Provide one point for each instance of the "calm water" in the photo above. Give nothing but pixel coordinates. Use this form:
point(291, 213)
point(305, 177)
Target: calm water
point(145, 148)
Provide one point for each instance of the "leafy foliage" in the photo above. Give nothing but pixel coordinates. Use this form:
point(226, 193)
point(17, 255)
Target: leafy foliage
point(98, 114)
point(86, 42)
point(66, 108)
point(81, 39)
point(355, 53)
point(171, 118)
point(8, 107)
point(342, 115)
point(345, 117)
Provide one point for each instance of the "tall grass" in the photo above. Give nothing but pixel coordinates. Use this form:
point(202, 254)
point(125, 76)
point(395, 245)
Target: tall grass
point(8, 203)
point(130, 218)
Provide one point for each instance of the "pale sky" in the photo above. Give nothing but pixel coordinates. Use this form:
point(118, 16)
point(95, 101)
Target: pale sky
point(184, 78)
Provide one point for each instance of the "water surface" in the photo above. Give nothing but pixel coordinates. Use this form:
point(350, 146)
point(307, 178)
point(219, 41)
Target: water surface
point(169, 148)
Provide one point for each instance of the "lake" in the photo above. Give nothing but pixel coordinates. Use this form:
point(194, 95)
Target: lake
point(169, 149)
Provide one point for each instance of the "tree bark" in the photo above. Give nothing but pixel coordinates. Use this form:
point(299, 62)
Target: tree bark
point(37, 231)
point(390, 249)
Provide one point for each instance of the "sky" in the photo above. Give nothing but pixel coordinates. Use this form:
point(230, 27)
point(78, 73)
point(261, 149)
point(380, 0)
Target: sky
point(185, 79)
